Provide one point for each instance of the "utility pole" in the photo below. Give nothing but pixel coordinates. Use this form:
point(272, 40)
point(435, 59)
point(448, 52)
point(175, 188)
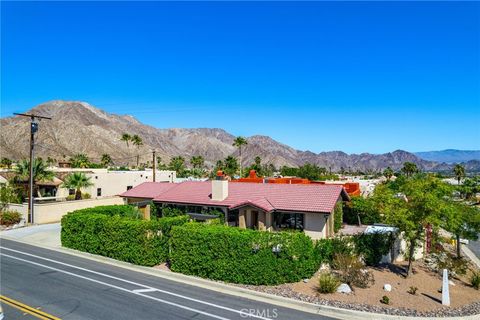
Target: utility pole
point(154, 164)
point(33, 130)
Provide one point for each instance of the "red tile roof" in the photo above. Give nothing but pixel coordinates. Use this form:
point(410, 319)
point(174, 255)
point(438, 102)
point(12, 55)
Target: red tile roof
point(269, 197)
point(148, 190)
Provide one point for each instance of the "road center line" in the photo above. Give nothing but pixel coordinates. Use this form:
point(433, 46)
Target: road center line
point(242, 313)
point(117, 287)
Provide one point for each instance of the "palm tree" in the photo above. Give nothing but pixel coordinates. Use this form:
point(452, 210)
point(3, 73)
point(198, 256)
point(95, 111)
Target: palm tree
point(230, 165)
point(239, 142)
point(388, 173)
point(197, 162)
point(77, 181)
point(126, 137)
point(6, 162)
point(106, 159)
point(40, 173)
point(80, 160)
point(137, 141)
point(409, 168)
point(459, 172)
point(177, 164)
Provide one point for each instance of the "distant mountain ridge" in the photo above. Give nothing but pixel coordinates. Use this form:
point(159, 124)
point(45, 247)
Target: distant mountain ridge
point(450, 155)
point(78, 127)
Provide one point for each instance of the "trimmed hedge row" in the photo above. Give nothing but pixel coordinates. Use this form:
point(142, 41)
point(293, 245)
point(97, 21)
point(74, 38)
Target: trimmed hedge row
point(112, 210)
point(242, 256)
point(109, 234)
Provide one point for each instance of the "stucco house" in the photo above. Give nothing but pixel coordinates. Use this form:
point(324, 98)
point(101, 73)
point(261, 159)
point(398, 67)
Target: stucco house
point(269, 207)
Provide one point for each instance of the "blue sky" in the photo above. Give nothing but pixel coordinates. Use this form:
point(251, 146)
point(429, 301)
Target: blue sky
point(356, 77)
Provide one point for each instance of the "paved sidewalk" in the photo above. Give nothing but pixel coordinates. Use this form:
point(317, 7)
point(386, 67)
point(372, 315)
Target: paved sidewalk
point(44, 235)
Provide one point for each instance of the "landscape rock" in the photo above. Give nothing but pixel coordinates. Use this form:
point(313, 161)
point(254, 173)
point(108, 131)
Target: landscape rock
point(387, 287)
point(344, 288)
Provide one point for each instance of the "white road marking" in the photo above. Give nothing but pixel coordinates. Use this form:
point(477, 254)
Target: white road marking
point(242, 313)
point(117, 287)
point(144, 290)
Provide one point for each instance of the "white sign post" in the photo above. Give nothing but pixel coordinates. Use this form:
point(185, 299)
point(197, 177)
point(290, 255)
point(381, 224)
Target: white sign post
point(445, 293)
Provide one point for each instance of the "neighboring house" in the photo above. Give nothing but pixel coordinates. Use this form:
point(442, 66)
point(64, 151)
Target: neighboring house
point(108, 183)
point(105, 183)
point(262, 206)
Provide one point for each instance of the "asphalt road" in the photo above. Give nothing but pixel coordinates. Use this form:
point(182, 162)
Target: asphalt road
point(475, 246)
point(71, 287)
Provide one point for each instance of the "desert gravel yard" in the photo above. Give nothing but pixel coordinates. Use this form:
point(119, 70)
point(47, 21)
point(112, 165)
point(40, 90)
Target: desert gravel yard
point(465, 300)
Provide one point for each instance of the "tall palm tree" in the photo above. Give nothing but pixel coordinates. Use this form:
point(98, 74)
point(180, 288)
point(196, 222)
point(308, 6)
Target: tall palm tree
point(40, 173)
point(239, 142)
point(106, 159)
point(77, 181)
point(137, 141)
point(126, 137)
point(459, 172)
point(409, 168)
point(388, 173)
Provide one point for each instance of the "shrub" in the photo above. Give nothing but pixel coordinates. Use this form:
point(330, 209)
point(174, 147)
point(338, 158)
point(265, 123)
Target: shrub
point(475, 280)
point(242, 256)
point(385, 300)
point(327, 283)
point(85, 196)
point(9, 217)
point(172, 212)
point(352, 271)
point(337, 217)
point(412, 290)
point(327, 248)
point(120, 237)
point(372, 247)
point(455, 265)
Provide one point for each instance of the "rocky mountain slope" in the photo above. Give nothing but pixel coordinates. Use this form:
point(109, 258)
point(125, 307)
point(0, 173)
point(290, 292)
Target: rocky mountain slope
point(450, 155)
point(78, 127)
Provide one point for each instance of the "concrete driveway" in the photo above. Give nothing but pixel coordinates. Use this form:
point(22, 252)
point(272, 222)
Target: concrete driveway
point(45, 234)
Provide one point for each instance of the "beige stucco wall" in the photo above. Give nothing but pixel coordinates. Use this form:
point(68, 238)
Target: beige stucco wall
point(315, 225)
point(114, 183)
point(54, 211)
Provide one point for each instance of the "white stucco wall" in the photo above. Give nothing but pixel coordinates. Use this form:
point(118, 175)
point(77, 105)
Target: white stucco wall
point(315, 225)
point(113, 183)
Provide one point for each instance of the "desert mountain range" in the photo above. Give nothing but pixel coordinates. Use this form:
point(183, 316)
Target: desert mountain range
point(78, 127)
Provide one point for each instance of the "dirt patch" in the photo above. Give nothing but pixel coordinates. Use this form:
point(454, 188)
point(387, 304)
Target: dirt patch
point(428, 296)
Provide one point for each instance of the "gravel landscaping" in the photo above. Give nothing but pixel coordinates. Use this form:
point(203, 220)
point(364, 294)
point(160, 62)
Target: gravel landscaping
point(426, 303)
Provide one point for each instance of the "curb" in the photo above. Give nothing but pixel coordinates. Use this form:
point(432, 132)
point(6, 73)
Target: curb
point(328, 311)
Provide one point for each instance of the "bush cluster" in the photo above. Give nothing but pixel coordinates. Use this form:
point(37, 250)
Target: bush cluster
point(352, 271)
point(9, 217)
point(112, 232)
point(242, 256)
point(121, 210)
point(370, 247)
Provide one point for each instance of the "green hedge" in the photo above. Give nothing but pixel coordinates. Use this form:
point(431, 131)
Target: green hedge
point(241, 256)
point(136, 241)
point(371, 247)
point(338, 217)
point(112, 210)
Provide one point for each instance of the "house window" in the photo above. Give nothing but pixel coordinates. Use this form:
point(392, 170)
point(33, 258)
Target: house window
point(99, 192)
point(71, 192)
point(285, 220)
point(129, 187)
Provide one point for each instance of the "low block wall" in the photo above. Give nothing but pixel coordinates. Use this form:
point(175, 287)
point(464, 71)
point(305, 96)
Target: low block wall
point(54, 211)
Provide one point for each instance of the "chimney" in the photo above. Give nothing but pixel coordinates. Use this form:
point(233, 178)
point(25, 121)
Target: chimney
point(219, 187)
